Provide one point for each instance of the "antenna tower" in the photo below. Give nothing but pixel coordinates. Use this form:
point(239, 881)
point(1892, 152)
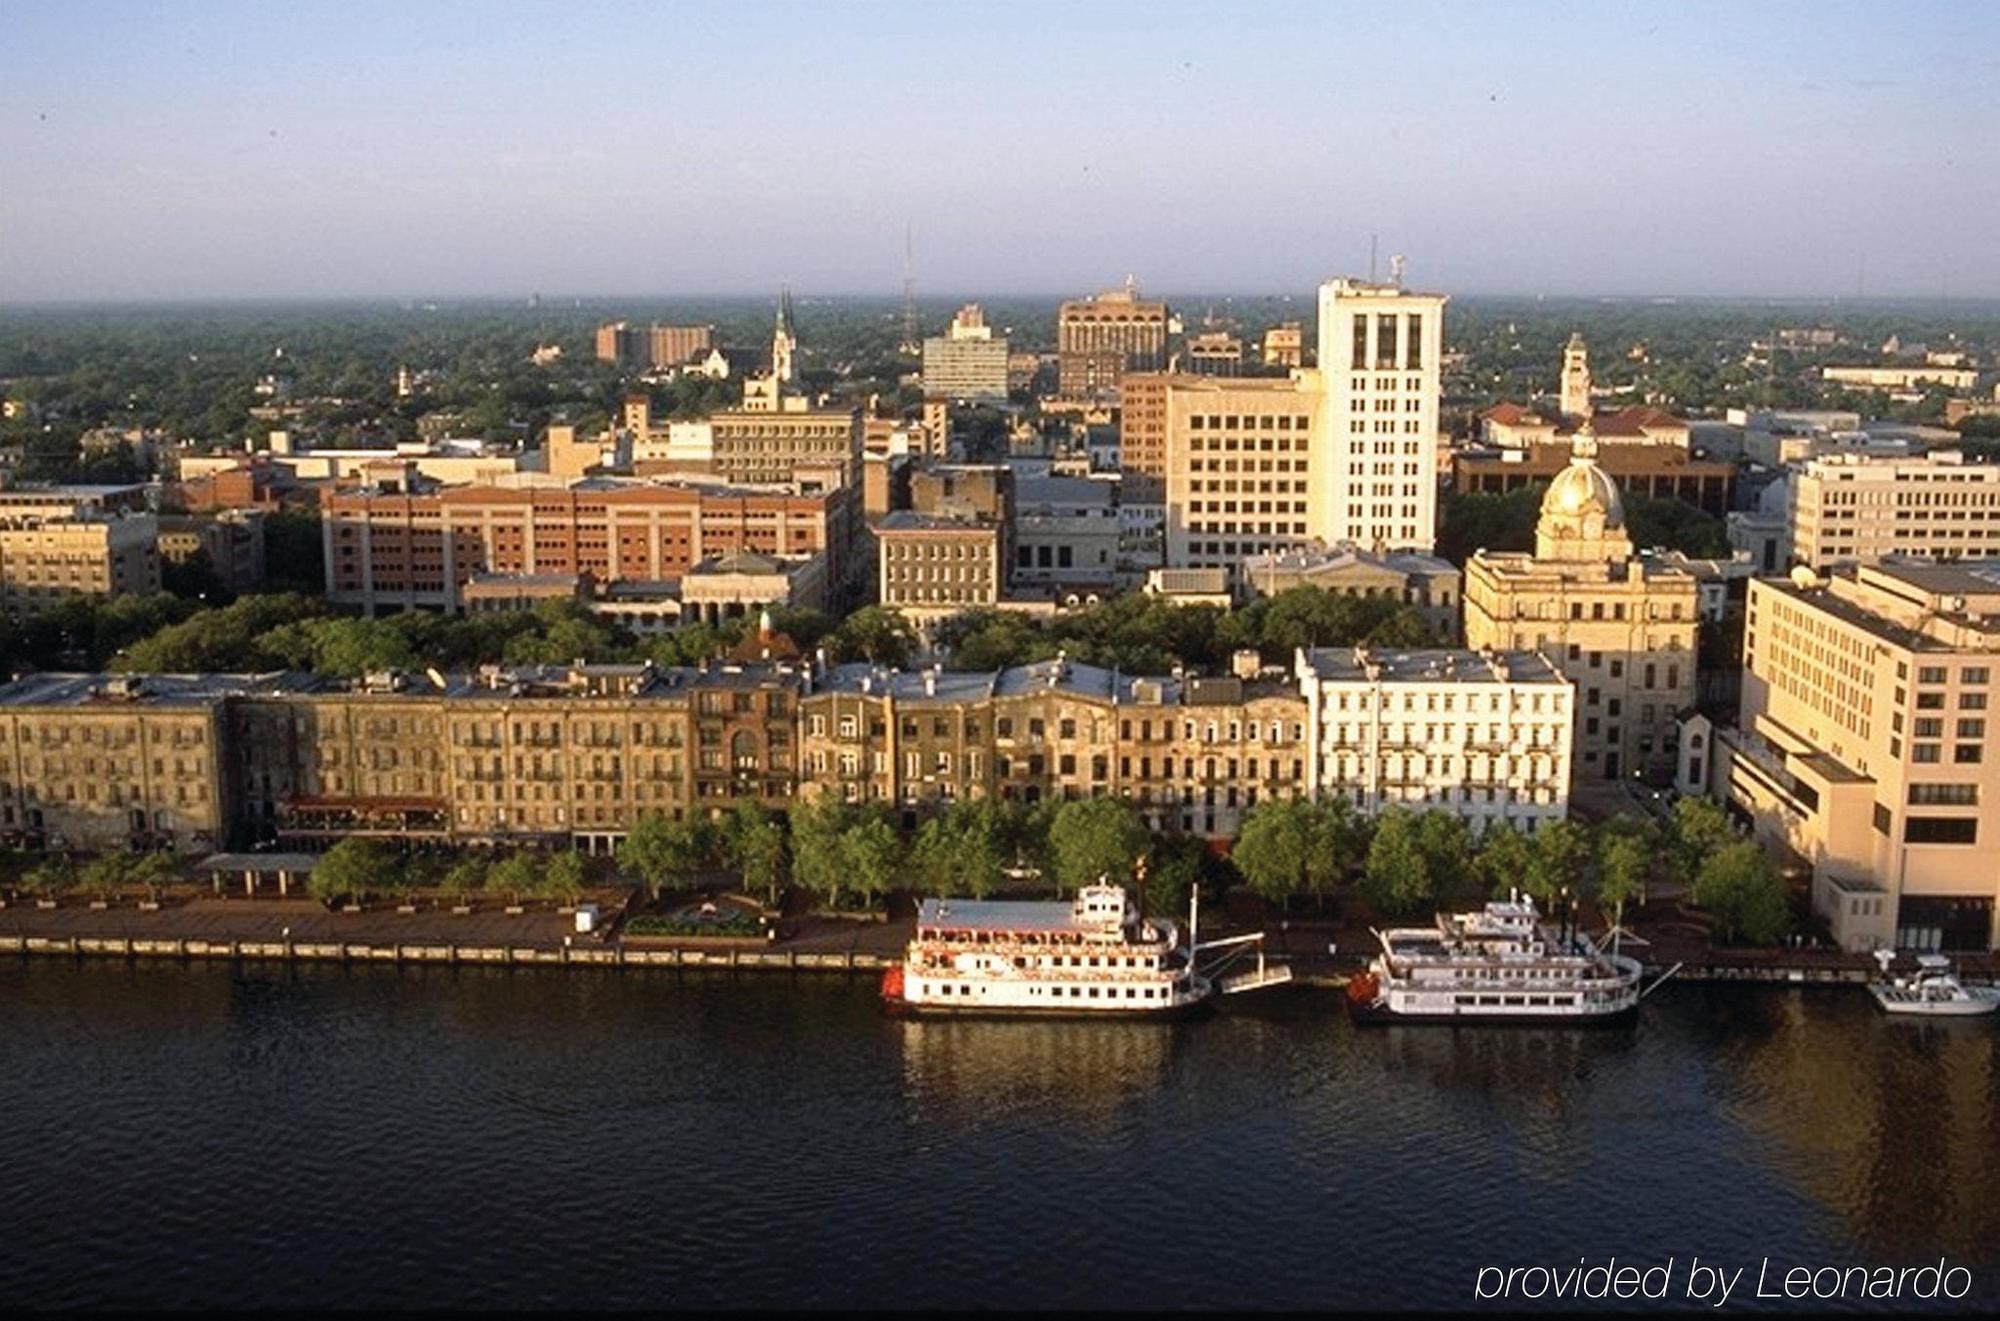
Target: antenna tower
point(909, 289)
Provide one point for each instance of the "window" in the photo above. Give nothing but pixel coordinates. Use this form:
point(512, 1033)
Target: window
point(1941, 830)
point(1965, 754)
point(1944, 795)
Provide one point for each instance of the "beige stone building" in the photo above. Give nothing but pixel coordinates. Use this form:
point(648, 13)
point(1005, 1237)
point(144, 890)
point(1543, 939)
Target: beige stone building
point(1238, 468)
point(1621, 627)
point(45, 560)
point(1099, 339)
point(762, 447)
point(930, 567)
point(1430, 584)
point(1284, 346)
point(104, 762)
point(1848, 508)
point(1861, 746)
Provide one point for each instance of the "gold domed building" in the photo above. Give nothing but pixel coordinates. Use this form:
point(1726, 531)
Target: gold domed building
point(1619, 626)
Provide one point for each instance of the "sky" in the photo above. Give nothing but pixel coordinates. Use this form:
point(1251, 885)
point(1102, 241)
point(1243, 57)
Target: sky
point(427, 148)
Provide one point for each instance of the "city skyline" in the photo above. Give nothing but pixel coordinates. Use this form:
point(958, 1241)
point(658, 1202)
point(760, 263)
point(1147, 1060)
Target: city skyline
point(225, 152)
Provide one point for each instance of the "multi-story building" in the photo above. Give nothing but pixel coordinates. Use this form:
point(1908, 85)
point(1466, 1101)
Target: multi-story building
point(44, 560)
point(967, 362)
point(932, 566)
point(1622, 627)
point(1424, 581)
point(1099, 339)
point(1375, 482)
point(1239, 468)
point(1853, 509)
point(1861, 746)
point(1142, 435)
point(398, 550)
point(1215, 353)
point(231, 542)
point(622, 343)
point(1284, 345)
point(1902, 378)
point(1481, 734)
point(99, 762)
point(757, 446)
point(670, 346)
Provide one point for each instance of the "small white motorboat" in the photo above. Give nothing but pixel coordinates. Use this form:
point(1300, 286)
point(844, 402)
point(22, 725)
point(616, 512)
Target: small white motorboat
point(1932, 990)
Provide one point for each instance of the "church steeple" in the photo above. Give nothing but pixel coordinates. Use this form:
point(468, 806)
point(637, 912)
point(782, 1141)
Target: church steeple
point(784, 342)
point(1576, 379)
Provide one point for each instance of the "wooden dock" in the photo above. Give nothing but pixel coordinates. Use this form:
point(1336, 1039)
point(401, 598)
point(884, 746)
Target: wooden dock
point(451, 954)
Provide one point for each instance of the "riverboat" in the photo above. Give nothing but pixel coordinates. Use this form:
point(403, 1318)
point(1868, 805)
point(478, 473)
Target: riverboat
point(1931, 991)
point(1500, 964)
point(1092, 956)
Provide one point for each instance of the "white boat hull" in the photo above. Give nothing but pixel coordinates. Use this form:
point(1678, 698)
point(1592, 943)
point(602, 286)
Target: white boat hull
point(1970, 1001)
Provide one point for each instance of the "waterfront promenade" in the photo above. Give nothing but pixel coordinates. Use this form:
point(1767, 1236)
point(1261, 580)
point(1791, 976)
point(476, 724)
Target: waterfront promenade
point(1321, 952)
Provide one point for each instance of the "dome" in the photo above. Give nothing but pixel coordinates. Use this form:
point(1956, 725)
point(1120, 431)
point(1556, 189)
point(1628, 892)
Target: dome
point(1584, 488)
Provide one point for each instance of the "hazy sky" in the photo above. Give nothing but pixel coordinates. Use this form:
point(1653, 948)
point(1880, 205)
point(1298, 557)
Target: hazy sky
point(427, 148)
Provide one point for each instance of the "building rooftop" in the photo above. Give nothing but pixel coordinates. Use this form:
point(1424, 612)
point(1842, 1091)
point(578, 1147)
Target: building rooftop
point(1430, 665)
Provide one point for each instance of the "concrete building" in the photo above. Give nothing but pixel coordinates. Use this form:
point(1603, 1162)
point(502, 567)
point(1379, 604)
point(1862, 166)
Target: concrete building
point(1654, 472)
point(1907, 378)
point(764, 447)
point(744, 583)
point(1860, 746)
point(1376, 463)
point(1099, 339)
point(931, 567)
point(1430, 584)
point(1284, 346)
point(967, 362)
point(231, 542)
point(671, 346)
point(1623, 628)
point(1850, 509)
point(1483, 735)
point(44, 560)
point(1214, 353)
point(1238, 459)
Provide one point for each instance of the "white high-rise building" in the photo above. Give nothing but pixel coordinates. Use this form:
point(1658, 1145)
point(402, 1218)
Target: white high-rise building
point(1375, 468)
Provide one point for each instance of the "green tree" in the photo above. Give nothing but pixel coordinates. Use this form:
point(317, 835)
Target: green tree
point(1173, 871)
point(515, 875)
point(1273, 849)
point(1700, 829)
point(464, 877)
point(754, 844)
point(871, 853)
point(818, 826)
point(1624, 862)
point(875, 634)
point(563, 879)
point(1504, 859)
point(51, 876)
point(1093, 837)
point(1560, 856)
point(103, 876)
point(1397, 877)
point(350, 869)
point(1446, 841)
point(1741, 889)
point(659, 850)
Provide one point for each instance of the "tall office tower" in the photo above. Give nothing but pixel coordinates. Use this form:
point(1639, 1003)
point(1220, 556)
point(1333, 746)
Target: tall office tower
point(1576, 378)
point(1375, 471)
point(1099, 339)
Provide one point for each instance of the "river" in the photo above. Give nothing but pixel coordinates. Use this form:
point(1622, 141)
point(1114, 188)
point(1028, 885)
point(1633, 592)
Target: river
point(209, 1136)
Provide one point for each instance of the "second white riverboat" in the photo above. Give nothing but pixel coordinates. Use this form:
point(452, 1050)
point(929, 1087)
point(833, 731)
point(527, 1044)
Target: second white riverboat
point(1501, 964)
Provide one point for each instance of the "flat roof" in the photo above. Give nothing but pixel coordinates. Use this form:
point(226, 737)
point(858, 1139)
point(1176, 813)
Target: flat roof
point(998, 914)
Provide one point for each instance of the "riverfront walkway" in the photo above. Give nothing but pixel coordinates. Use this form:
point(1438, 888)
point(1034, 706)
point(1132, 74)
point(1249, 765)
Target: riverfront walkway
point(265, 927)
